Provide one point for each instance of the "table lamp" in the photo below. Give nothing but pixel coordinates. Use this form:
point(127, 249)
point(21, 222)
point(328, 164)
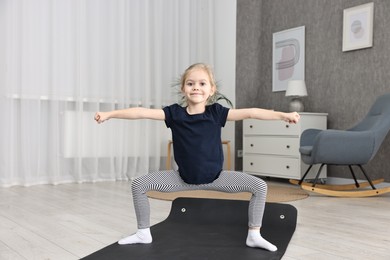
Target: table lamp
point(296, 89)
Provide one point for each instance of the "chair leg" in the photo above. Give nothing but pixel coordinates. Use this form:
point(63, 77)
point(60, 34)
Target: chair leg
point(318, 175)
point(304, 176)
point(354, 176)
point(368, 178)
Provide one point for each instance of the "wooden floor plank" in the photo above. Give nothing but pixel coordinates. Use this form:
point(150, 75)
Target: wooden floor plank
point(28, 244)
point(70, 221)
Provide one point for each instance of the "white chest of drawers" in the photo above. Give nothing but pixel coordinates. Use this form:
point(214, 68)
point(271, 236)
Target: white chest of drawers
point(271, 148)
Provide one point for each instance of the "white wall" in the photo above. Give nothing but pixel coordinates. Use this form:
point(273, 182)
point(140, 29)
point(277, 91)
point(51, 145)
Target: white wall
point(225, 63)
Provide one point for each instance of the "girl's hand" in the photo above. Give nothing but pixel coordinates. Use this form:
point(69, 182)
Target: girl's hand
point(100, 117)
point(292, 117)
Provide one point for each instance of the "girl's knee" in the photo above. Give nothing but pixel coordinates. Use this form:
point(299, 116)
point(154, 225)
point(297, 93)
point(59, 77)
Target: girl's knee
point(137, 184)
point(260, 185)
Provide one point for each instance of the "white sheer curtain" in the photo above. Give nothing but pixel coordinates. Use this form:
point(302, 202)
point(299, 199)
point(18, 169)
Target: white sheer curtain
point(62, 60)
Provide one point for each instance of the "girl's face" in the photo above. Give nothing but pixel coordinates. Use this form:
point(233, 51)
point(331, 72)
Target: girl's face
point(197, 87)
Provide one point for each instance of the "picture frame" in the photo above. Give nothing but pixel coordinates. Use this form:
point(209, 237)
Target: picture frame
point(288, 57)
point(358, 27)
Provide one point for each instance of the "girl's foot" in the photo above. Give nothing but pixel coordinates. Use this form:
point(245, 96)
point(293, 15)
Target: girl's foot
point(143, 236)
point(254, 239)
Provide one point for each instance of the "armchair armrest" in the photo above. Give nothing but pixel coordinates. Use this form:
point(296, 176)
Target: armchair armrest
point(308, 136)
point(343, 147)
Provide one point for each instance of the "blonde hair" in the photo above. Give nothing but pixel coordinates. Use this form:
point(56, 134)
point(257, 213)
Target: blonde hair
point(198, 66)
point(206, 68)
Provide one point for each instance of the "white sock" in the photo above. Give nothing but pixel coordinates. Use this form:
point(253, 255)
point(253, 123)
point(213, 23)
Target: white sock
point(143, 236)
point(254, 239)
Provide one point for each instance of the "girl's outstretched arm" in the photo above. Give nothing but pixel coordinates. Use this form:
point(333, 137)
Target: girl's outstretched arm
point(262, 114)
point(131, 113)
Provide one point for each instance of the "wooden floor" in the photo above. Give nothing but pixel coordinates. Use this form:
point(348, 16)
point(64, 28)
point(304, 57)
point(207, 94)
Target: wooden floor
point(70, 221)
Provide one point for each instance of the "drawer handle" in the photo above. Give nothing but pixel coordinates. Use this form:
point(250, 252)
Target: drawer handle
point(287, 167)
point(252, 145)
point(287, 126)
point(288, 147)
point(251, 126)
point(251, 163)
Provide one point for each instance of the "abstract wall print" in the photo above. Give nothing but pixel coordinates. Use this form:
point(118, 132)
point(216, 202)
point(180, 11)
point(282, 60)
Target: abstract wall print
point(358, 27)
point(288, 57)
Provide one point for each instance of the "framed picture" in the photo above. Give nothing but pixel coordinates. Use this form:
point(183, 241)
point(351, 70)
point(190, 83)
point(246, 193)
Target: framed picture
point(288, 57)
point(358, 27)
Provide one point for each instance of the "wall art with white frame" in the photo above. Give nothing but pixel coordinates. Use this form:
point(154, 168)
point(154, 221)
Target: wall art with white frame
point(288, 57)
point(358, 27)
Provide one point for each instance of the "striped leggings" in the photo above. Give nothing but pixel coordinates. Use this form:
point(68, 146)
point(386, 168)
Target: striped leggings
point(170, 181)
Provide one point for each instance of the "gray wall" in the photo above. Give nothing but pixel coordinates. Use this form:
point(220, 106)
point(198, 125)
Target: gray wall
point(343, 84)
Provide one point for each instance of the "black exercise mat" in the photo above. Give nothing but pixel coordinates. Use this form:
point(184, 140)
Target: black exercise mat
point(209, 229)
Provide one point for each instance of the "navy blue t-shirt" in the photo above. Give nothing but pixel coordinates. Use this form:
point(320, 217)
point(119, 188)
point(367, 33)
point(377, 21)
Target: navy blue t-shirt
point(197, 141)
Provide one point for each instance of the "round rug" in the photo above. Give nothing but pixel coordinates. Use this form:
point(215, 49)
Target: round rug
point(276, 193)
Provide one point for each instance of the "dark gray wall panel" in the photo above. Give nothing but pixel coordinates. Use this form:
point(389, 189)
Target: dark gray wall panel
point(343, 84)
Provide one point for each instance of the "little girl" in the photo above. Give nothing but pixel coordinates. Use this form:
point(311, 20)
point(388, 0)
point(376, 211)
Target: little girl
point(196, 135)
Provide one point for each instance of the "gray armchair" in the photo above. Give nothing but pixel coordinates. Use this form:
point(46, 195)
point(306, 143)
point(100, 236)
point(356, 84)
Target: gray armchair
point(354, 146)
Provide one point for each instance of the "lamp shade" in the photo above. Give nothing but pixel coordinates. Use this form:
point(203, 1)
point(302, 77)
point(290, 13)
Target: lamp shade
point(296, 88)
